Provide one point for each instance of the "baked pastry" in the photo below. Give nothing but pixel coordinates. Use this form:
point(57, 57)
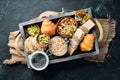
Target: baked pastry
point(29, 47)
point(87, 42)
point(66, 26)
point(32, 30)
point(82, 16)
point(32, 45)
point(48, 27)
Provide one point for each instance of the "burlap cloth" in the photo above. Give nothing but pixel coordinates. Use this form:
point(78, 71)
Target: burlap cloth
point(15, 42)
point(108, 34)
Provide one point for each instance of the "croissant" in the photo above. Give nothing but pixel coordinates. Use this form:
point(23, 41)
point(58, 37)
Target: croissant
point(48, 27)
point(87, 42)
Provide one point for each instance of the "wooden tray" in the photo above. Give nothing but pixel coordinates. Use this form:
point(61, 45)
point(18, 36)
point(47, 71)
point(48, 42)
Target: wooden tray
point(53, 59)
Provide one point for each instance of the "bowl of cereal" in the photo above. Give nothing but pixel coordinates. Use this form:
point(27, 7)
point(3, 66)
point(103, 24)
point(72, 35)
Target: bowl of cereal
point(58, 46)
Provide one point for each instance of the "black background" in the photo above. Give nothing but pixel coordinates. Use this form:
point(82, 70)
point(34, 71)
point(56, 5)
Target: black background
point(13, 12)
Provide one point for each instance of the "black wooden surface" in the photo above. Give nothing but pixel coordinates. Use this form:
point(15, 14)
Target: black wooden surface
point(13, 12)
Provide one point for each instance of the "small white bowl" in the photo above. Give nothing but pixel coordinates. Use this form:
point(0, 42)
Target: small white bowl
point(40, 56)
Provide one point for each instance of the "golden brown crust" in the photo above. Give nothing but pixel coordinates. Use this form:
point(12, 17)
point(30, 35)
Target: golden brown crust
point(48, 27)
point(87, 42)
